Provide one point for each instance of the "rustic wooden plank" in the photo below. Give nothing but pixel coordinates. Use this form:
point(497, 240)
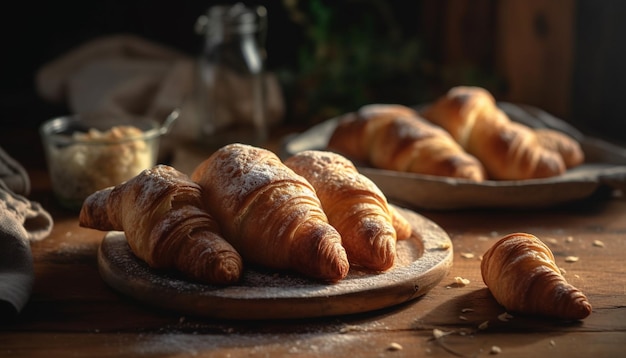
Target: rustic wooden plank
point(534, 52)
point(74, 313)
point(599, 73)
point(69, 288)
point(409, 343)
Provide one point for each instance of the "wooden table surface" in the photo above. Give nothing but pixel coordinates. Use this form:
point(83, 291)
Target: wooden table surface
point(72, 311)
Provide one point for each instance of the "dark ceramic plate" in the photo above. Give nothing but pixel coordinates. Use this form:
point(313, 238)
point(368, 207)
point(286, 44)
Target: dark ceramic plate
point(604, 167)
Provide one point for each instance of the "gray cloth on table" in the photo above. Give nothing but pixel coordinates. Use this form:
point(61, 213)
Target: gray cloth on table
point(21, 221)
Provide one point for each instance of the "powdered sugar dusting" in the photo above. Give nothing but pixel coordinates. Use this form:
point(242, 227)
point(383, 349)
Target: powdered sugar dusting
point(273, 291)
point(246, 173)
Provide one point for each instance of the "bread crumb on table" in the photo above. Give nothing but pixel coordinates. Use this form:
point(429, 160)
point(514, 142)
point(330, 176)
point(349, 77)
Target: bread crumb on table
point(461, 281)
point(393, 346)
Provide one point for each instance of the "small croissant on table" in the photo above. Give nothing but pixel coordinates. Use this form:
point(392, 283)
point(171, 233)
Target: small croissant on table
point(521, 273)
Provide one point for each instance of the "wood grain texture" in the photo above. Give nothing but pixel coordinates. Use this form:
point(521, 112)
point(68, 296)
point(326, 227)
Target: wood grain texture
point(73, 312)
point(534, 50)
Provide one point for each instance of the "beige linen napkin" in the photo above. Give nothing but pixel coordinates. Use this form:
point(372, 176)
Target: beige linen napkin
point(128, 75)
point(21, 221)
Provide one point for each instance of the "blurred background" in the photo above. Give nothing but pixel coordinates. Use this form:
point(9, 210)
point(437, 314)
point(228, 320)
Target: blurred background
point(563, 56)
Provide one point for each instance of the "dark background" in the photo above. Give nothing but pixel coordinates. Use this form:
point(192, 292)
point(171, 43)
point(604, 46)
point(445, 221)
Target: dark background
point(33, 33)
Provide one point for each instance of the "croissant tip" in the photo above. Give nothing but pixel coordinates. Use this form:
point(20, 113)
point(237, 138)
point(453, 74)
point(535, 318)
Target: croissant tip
point(339, 268)
point(337, 265)
point(381, 255)
point(584, 309)
point(225, 269)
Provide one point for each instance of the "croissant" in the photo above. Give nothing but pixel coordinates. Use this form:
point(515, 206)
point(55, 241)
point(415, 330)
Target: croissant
point(270, 214)
point(395, 137)
point(522, 275)
point(160, 211)
point(508, 150)
point(355, 206)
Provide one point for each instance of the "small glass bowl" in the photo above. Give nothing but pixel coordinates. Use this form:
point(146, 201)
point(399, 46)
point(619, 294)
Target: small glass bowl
point(86, 153)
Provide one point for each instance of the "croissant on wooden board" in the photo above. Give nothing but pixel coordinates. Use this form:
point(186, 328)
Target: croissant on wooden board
point(161, 213)
point(508, 150)
point(522, 276)
point(395, 137)
point(355, 206)
point(270, 214)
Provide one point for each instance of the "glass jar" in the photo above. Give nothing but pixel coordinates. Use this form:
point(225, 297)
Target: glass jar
point(230, 92)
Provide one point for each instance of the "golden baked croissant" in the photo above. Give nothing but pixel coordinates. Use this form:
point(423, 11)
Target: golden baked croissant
point(508, 150)
point(355, 206)
point(271, 215)
point(161, 213)
point(522, 275)
point(395, 137)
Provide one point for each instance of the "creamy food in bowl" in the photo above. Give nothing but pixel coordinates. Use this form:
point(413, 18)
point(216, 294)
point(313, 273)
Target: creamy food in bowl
point(86, 153)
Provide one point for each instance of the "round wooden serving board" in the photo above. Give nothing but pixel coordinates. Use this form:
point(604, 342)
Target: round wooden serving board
point(422, 262)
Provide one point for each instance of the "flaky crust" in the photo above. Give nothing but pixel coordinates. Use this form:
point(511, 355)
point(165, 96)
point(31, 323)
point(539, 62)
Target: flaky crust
point(161, 213)
point(355, 206)
point(269, 213)
point(395, 137)
point(522, 275)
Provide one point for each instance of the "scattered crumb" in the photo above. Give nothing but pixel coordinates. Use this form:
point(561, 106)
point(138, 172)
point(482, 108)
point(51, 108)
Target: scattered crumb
point(552, 343)
point(467, 310)
point(463, 318)
point(461, 281)
point(467, 255)
point(443, 246)
point(437, 333)
point(569, 239)
point(349, 328)
point(393, 346)
point(598, 243)
point(576, 276)
point(483, 325)
point(483, 238)
point(495, 350)
point(571, 258)
point(505, 317)
point(551, 240)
